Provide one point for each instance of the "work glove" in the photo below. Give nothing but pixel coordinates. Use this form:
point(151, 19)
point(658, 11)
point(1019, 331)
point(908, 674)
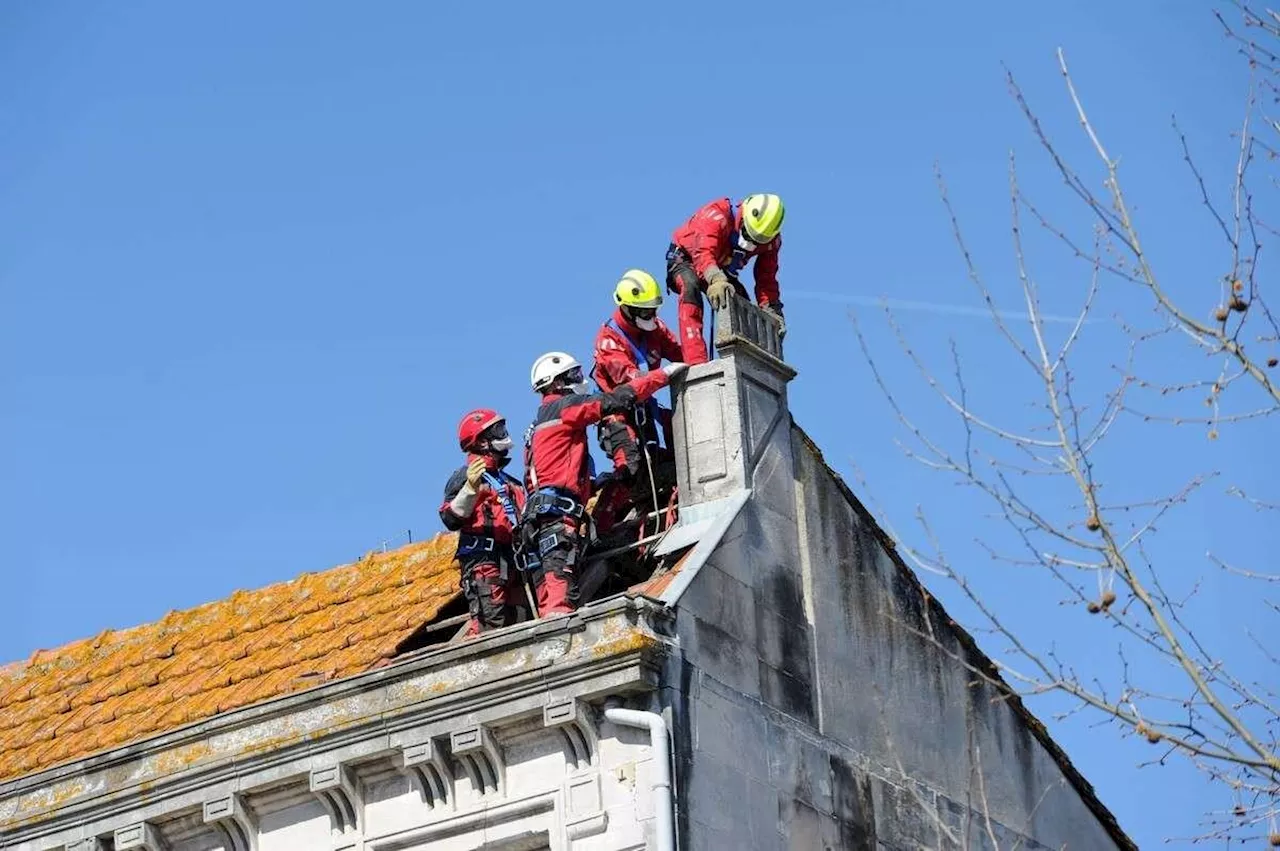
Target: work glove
point(674, 369)
point(719, 290)
point(475, 474)
point(776, 313)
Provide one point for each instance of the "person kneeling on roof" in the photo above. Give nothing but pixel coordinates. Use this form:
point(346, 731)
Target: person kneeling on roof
point(559, 469)
point(711, 249)
point(484, 504)
point(633, 342)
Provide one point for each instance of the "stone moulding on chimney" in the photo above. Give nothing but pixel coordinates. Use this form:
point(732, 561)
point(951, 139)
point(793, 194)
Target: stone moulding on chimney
point(742, 322)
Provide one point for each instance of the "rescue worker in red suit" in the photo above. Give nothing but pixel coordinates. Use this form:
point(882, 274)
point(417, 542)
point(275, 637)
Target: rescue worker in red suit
point(634, 341)
point(709, 252)
point(484, 505)
point(559, 471)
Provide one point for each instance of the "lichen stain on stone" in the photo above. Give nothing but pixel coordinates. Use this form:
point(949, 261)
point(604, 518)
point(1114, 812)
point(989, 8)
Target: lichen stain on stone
point(32, 808)
point(553, 649)
point(335, 716)
point(273, 743)
point(318, 723)
point(618, 641)
point(454, 678)
point(408, 693)
point(177, 759)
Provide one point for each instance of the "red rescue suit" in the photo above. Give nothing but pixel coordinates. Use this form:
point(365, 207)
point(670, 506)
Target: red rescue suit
point(710, 238)
point(485, 553)
point(558, 476)
point(625, 352)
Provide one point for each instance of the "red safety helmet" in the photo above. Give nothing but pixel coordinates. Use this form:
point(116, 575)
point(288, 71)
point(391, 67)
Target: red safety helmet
point(473, 425)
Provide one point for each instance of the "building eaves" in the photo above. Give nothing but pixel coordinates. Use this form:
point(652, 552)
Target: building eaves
point(610, 647)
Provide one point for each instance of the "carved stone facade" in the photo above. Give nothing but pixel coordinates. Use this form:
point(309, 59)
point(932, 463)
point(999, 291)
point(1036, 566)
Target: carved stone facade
point(499, 743)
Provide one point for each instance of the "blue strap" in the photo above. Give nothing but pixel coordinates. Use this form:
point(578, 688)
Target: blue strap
point(550, 500)
point(471, 544)
point(641, 355)
point(504, 496)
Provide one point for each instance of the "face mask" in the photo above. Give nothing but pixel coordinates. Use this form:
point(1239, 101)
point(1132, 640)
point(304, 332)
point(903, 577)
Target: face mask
point(502, 446)
point(580, 388)
point(646, 324)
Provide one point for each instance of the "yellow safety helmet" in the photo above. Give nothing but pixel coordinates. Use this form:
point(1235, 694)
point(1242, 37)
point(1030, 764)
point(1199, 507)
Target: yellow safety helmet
point(762, 217)
point(638, 289)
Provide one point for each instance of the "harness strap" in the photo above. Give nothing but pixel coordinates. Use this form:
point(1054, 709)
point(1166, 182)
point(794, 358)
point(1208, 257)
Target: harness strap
point(501, 487)
point(553, 502)
point(649, 409)
point(638, 351)
point(501, 556)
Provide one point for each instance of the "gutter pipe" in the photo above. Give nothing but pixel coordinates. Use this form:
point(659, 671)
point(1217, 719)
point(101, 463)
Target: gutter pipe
point(660, 745)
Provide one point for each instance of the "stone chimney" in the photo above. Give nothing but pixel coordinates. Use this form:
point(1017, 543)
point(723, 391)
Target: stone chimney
point(728, 412)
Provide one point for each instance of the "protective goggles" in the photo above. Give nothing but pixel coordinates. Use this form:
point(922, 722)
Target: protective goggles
point(497, 431)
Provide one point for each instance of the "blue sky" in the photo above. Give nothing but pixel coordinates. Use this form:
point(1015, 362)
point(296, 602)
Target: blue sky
point(256, 259)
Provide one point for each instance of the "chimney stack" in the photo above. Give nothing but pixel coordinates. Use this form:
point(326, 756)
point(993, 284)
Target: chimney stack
point(730, 410)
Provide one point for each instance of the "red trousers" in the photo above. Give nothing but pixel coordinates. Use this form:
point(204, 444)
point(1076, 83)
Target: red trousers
point(556, 582)
point(683, 280)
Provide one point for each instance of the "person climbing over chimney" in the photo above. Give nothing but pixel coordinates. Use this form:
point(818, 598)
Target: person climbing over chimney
point(711, 249)
point(633, 342)
point(559, 470)
point(484, 505)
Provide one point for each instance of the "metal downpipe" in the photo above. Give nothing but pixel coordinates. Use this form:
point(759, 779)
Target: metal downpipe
point(660, 745)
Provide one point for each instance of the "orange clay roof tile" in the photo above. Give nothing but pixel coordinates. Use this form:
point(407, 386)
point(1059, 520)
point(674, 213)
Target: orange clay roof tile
point(121, 685)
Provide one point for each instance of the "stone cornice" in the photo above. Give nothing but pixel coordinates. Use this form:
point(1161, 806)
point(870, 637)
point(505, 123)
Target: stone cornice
point(614, 646)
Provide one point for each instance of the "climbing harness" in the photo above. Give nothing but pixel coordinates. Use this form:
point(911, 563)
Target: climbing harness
point(644, 414)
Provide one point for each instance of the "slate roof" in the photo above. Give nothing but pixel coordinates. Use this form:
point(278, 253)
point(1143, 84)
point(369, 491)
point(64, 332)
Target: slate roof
point(124, 685)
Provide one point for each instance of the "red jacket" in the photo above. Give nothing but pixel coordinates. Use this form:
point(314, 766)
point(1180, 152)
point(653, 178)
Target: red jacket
point(557, 455)
point(710, 238)
point(616, 357)
point(488, 517)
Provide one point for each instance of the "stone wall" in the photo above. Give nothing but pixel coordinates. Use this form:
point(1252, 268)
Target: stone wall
point(813, 713)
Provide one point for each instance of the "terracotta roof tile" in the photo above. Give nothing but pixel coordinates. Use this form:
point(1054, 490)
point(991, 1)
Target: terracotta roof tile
point(121, 685)
point(655, 585)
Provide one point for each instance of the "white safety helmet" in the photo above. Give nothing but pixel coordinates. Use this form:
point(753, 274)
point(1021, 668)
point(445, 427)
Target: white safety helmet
point(551, 366)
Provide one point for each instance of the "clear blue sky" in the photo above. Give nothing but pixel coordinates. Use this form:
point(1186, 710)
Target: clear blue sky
point(256, 259)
